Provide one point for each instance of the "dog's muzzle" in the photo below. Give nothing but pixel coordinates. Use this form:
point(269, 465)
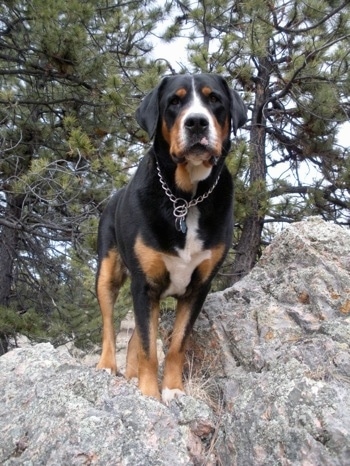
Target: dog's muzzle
point(196, 141)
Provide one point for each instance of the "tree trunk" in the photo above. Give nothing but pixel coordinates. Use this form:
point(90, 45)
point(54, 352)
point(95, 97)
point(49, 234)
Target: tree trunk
point(8, 250)
point(249, 243)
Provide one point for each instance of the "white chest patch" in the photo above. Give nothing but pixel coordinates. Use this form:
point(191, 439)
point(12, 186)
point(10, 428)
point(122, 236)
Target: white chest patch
point(181, 267)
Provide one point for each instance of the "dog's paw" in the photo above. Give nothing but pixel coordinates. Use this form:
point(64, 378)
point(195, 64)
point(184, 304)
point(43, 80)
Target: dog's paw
point(111, 369)
point(169, 394)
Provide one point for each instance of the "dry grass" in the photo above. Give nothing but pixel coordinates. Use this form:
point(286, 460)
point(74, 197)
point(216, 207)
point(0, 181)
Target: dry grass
point(200, 384)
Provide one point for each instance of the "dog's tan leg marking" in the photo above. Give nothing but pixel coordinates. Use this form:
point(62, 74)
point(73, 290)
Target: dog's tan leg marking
point(132, 364)
point(151, 261)
point(148, 361)
point(172, 385)
point(111, 277)
point(152, 265)
point(206, 268)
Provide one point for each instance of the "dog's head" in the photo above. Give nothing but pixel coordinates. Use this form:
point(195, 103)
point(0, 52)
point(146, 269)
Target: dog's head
point(194, 115)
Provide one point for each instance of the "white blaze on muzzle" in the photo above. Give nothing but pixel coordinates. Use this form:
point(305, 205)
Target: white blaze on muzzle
point(197, 128)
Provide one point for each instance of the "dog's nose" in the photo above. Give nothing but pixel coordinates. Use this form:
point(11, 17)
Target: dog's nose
point(196, 123)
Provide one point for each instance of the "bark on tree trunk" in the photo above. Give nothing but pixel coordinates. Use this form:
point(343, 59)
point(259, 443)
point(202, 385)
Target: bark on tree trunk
point(249, 244)
point(8, 250)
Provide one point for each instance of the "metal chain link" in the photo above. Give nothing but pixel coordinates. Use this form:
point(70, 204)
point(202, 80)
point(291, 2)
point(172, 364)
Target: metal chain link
point(180, 211)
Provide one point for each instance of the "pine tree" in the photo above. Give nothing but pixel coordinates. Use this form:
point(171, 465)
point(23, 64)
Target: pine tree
point(71, 76)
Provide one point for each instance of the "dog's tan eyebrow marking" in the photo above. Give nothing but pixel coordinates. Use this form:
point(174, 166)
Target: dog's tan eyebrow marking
point(206, 90)
point(181, 92)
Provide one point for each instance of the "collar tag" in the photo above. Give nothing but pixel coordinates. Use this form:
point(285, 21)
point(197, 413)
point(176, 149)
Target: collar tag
point(180, 224)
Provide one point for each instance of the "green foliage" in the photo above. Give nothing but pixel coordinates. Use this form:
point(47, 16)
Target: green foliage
point(78, 318)
point(71, 76)
point(68, 312)
point(12, 322)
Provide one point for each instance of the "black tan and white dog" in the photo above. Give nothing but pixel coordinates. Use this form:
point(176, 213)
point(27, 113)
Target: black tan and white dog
point(171, 226)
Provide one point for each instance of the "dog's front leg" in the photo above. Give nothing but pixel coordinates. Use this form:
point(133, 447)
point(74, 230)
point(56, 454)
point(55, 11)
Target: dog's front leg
point(172, 385)
point(144, 341)
point(186, 314)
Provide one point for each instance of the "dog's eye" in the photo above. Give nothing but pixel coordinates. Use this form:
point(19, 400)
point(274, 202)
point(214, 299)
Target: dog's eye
point(175, 100)
point(213, 98)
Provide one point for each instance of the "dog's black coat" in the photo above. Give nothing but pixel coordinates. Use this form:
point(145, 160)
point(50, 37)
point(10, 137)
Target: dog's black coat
point(190, 119)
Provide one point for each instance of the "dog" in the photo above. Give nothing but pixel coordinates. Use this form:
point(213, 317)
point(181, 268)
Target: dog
point(170, 228)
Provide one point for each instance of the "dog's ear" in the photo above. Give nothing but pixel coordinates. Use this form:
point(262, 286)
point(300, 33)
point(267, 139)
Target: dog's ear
point(147, 114)
point(238, 111)
point(237, 108)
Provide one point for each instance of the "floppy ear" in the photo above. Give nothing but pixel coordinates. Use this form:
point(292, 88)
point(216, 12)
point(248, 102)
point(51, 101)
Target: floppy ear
point(238, 111)
point(147, 113)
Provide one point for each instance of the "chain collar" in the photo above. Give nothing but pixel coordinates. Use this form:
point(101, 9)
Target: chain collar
point(180, 205)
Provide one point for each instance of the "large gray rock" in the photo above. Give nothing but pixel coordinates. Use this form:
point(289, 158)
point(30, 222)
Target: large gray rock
point(54, 411)
point(279, 342)
point(273, 351)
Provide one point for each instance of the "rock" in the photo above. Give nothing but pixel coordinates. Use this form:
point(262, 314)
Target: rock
point(268, 378)
point(281, 337)
point(19, 341)
point(55, 411)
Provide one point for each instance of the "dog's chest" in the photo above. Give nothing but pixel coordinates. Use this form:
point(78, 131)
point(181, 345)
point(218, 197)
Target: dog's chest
point(181, 266)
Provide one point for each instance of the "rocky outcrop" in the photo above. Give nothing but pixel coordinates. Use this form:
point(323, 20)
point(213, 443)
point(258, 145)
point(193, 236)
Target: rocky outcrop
point(55, 411)
point(279, 342)
point(269, 375)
